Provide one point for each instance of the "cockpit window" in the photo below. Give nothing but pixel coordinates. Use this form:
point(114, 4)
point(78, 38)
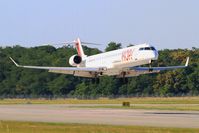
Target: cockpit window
point(147, 48)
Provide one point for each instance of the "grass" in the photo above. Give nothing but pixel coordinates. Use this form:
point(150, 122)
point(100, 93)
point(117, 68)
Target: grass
point(38, 127)
point(160, 103)
point(136, 100)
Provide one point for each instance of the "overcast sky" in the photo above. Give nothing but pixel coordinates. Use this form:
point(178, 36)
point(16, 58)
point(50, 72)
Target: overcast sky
point(162, 23)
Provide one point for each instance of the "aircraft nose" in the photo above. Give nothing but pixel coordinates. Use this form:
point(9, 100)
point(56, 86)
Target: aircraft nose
point(155, 53)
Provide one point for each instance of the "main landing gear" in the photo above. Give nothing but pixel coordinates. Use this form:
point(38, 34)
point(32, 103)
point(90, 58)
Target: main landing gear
point(124, 79)
point(95, 80)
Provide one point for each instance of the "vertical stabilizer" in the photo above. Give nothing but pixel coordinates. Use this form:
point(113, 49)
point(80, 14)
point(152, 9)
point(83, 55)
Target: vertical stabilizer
point(79, 48)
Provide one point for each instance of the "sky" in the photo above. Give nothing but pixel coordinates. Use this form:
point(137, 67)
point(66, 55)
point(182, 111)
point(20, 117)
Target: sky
point(164, 24)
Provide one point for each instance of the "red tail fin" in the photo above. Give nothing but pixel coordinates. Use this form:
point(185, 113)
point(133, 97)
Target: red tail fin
point(79, 47)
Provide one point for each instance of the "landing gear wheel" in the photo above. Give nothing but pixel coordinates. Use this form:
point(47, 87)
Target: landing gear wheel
point(124, 79)
point(95, 80)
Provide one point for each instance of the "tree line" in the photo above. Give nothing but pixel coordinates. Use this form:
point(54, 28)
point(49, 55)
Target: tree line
point(18, 81)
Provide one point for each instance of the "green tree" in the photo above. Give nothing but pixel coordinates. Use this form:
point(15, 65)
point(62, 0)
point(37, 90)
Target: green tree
point(18, 81)
point(113, 46)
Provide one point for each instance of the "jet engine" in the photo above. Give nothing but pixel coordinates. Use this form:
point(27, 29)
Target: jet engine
point(75, 60)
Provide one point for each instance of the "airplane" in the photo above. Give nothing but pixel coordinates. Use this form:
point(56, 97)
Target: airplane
point(121, 63)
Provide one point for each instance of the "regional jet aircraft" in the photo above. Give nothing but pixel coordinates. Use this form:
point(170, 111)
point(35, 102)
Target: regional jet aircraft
point(122, 63)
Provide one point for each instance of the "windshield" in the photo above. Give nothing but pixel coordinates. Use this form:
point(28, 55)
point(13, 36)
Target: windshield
point(147, 48)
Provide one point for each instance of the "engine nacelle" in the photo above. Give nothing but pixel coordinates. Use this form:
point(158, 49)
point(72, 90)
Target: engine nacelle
point(75, 60)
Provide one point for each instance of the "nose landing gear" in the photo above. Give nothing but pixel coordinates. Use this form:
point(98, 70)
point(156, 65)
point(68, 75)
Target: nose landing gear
point(150, 65)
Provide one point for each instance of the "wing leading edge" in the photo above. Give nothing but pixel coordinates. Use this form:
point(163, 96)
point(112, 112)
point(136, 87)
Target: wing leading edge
point(160, 68)
point(77, 71)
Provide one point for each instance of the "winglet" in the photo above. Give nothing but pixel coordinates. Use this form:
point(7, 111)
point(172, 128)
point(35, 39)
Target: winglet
point(187, 62)
point(14, 62)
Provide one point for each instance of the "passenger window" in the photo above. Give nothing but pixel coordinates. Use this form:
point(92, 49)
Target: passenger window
point(141, 49)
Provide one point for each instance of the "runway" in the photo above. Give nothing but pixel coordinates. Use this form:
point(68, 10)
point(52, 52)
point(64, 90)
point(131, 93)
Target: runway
point(73, 114)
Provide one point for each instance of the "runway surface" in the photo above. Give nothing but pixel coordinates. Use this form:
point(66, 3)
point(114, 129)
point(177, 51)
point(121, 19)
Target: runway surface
point(74, 114)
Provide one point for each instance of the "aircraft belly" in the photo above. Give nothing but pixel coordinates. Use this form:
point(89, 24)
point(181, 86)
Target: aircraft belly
point(111, 72)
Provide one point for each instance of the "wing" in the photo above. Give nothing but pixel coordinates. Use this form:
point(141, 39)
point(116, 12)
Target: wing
point(136, 71)
point(76, 71)
point(160, 68)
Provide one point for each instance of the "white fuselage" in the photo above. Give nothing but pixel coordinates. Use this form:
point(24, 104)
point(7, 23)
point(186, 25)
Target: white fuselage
point(126, 57)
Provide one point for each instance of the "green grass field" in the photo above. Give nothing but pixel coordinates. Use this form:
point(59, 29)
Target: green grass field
point(33, 127)
point(136, 100)
point(161, 103)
